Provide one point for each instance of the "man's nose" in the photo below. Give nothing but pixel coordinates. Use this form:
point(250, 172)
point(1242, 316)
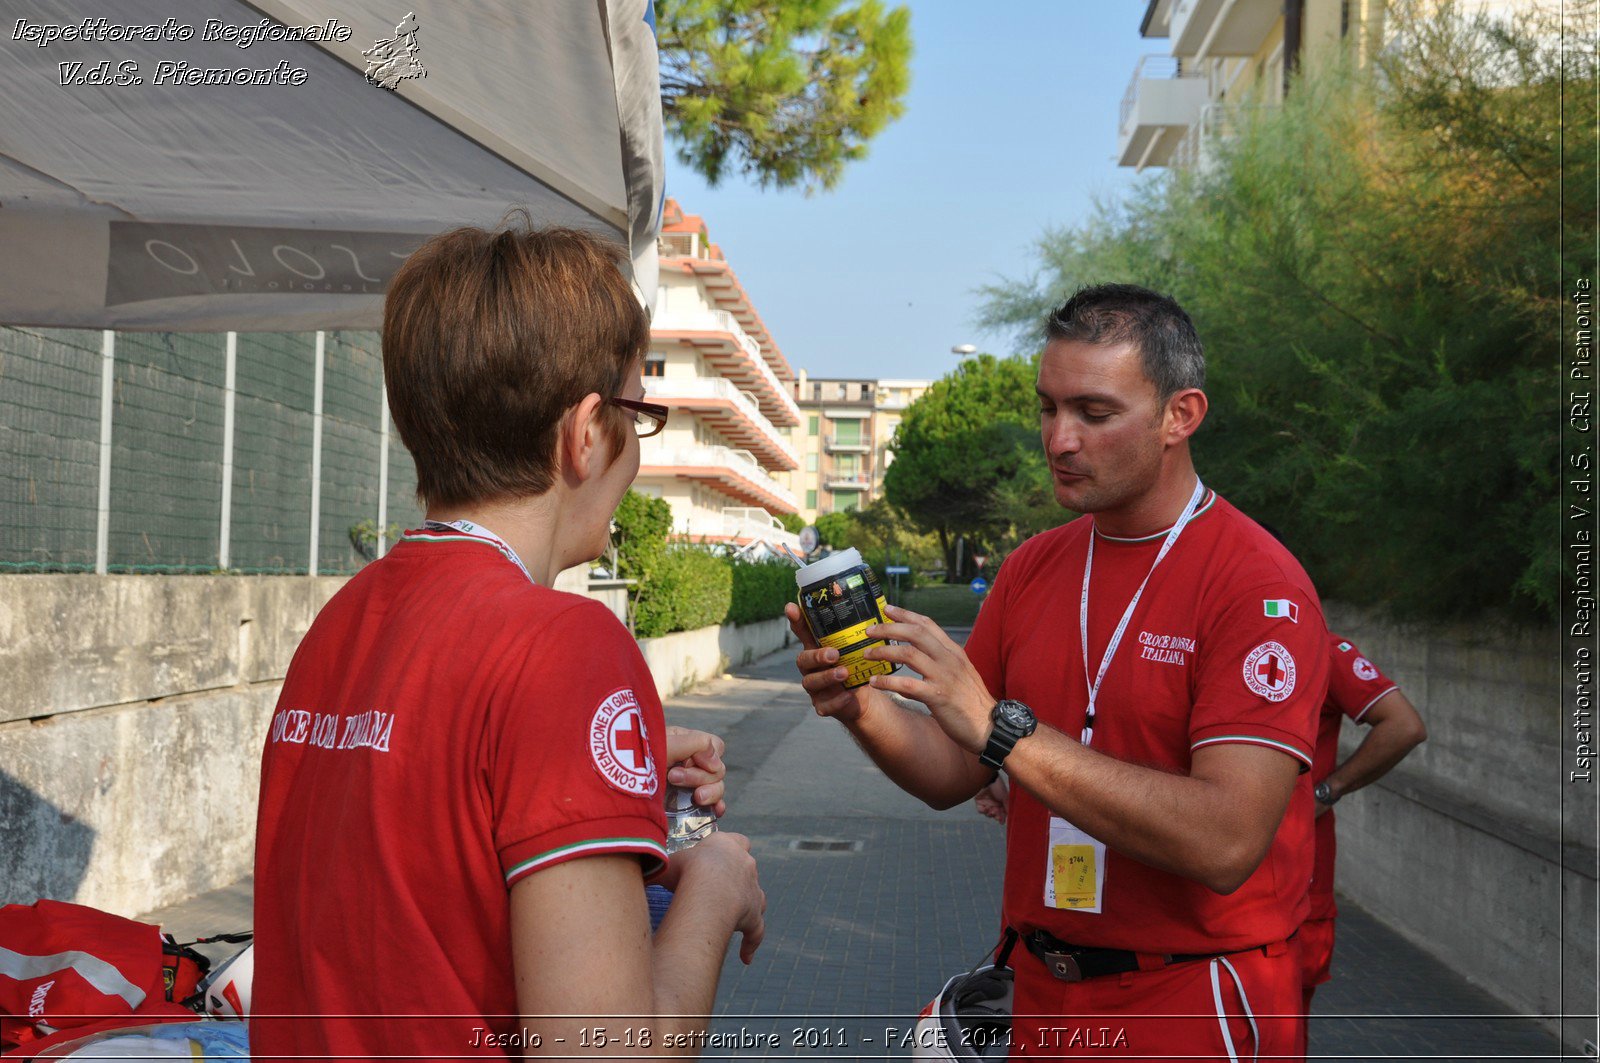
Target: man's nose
point(1064, 437)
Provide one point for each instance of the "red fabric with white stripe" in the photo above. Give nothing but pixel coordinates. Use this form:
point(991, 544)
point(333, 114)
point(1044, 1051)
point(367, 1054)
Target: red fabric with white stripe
point(384, 853)
point(69, 966)
point(1161, 698)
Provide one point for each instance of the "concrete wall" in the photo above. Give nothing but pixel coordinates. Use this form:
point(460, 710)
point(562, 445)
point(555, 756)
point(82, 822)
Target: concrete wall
point(131, 723)
point(681, 660)
point(1477, 846)
point(133, 711)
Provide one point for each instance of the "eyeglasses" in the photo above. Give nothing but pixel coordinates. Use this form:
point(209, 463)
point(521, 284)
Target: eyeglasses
point(649, 418)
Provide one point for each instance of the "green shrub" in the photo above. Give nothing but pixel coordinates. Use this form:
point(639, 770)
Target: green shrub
point(687, 588)
point(760, 591)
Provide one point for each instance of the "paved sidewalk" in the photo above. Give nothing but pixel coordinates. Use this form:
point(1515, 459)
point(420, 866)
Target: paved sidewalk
point(874, 900)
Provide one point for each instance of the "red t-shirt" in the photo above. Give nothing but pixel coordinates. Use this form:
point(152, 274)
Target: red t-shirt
point(1354, 686)
point(446, 727)
point(1203, 661)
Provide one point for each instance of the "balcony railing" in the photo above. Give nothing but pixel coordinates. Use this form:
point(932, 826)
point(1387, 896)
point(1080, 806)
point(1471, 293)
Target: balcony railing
point(717, 387)
point(719, 320)
point(740, 462)
point(853, 444)
point(1148, 68)
point(854, 481)
point(1161, 103)
point(1219, 123)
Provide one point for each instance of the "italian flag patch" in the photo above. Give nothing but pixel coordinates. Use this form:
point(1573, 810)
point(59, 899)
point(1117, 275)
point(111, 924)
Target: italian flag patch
point(1281, 608)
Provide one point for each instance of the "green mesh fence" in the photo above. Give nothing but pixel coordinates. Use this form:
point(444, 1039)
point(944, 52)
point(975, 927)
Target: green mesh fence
point(49, 449)
point(167, 453)
point(273, 426)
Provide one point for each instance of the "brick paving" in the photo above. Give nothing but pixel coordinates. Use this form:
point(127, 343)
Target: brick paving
point(859, 940)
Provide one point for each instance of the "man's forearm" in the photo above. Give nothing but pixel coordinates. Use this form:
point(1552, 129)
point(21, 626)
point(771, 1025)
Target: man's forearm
point(686, 964)
point(909, 748)
point(1397, 730)
point(1213, 826)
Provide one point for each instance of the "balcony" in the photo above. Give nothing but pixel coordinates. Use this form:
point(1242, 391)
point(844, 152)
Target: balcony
point(735, 414)
point(740, 525)
point(847, 481)
point(735, 473)
point(1157, 110)
point(1219, 123)
point(1204, 28)
point(852, 445)
point(730, 352)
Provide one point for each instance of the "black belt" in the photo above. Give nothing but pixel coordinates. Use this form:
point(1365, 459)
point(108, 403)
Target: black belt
point(1074, 963)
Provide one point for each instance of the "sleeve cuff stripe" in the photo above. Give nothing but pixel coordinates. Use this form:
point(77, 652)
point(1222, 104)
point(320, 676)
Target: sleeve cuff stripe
point(585, 848)
point(1357, 717)
point(1253, 740)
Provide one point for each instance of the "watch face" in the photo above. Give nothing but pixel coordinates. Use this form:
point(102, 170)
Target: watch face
point(1015, 714)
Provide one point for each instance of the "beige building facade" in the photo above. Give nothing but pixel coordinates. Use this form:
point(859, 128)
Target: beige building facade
point(722, 463)
point(843, 439)
point(1225, 55)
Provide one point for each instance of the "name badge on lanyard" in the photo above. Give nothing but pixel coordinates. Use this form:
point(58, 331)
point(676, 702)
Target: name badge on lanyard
point(1075, 861)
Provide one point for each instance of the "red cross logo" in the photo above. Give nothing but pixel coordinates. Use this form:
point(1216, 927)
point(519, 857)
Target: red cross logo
point(1269, 671)
point(630, 740)
point(619, 742)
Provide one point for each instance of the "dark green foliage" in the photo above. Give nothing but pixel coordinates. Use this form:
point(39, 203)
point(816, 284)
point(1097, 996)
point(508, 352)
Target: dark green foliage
point(760, 591)
point(783, 91)
point(1375, 270)
point(792, 523)
point(836, 530)
point(968, 462)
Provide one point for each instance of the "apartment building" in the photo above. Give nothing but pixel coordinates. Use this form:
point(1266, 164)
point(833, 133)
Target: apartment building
point(1224, 55)
point(721, 461)
point(843, 442)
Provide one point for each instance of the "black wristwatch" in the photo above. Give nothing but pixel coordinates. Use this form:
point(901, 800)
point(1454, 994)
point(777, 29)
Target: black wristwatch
point(1324, 794)
point(1013, 721)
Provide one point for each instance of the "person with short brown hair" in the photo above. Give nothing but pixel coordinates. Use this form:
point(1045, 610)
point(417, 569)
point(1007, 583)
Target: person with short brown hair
point(461, 793)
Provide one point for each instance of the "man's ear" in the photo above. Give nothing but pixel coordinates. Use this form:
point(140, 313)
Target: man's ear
point(1185, 411)
point(584, 443)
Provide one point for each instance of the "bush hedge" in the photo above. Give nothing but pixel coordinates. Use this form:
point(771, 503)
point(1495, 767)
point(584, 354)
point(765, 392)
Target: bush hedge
point(679, 587)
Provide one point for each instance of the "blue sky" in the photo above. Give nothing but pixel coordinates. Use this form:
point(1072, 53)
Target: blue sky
point(1010, 127)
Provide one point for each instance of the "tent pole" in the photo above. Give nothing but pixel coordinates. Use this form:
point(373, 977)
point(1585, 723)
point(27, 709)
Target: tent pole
point(316, 450)
point(102, 531)
point(383, 470)
point(230, 375)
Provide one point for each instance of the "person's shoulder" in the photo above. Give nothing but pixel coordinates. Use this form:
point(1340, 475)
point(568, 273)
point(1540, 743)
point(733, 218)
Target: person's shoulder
point(1046, 546)
point(1254, 555)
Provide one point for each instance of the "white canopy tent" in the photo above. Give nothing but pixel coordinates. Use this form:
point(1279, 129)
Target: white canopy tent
point(286, 206)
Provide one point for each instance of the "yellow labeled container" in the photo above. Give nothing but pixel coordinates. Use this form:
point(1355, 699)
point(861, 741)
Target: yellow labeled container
point(840, 598)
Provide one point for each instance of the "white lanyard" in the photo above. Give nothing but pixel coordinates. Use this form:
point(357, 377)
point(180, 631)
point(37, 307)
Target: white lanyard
point(480, 532)
point(1127, 614)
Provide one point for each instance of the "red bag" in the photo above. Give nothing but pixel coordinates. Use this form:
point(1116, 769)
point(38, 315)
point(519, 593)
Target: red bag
point(68, 967)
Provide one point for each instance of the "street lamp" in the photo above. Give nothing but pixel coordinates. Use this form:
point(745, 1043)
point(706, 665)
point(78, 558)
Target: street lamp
point(963, 350)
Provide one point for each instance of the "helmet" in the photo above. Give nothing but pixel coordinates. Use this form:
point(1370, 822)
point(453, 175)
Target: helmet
point(970, 1019)
point(225, 992)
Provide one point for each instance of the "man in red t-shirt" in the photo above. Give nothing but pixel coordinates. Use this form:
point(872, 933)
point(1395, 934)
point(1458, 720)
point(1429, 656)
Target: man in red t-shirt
point(1149, 676)
point(462, 787)
point(1359, 691)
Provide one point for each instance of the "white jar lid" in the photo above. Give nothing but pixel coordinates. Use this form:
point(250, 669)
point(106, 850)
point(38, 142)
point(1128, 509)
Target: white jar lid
point(835, 563)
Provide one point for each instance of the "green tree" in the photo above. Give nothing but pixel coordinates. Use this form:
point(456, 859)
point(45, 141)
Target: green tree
point(967, 460)
point(836, 529)
point(1374, 270)
point(784, 91)
point(793, 523)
